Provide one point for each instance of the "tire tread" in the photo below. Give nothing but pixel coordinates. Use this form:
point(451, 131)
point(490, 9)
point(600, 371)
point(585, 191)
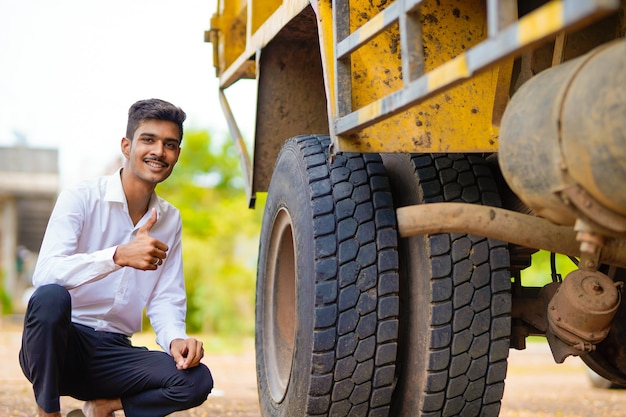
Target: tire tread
point(470, 296)
point(356, 321)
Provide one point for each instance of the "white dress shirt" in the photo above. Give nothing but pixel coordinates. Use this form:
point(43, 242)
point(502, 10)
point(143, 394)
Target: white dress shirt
point(87, 224)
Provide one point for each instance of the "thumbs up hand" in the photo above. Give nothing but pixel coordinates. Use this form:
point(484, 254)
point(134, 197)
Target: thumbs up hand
point(143, 252)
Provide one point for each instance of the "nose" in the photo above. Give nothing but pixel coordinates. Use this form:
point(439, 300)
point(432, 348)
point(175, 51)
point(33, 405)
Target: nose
point(158, 148)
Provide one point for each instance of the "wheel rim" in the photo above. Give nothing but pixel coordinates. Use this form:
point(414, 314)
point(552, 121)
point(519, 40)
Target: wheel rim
point(280, 301)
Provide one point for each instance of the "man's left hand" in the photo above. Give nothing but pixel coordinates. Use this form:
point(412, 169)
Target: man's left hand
point(186, 352)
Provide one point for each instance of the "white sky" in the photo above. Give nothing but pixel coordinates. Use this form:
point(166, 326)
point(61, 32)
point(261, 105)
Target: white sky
point(70, 69)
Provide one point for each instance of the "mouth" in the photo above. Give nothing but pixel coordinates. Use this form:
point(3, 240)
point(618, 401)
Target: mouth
point(156, 163)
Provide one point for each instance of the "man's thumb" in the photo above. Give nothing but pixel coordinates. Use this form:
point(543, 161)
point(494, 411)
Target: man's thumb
point(151, 222)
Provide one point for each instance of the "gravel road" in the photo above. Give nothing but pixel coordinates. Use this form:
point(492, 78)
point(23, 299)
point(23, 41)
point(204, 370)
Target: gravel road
point(535, 386)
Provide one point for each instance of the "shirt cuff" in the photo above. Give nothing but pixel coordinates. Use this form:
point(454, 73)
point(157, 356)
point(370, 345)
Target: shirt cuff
point(165, 339)
point(104, 257)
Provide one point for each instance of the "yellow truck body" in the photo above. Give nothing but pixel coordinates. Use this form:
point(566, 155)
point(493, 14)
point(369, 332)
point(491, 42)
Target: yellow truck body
point(389, 135)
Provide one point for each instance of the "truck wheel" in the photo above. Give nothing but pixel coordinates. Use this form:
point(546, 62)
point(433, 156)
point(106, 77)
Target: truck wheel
point(454, 295)
point(327, 285)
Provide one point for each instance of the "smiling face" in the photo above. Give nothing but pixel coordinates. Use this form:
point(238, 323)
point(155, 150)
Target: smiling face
point(153, 150)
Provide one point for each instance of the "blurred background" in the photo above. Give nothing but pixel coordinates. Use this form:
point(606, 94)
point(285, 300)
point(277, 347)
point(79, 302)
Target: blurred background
point(69, 71)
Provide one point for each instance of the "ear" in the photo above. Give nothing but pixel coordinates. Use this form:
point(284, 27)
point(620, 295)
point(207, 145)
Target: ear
point(125, 146)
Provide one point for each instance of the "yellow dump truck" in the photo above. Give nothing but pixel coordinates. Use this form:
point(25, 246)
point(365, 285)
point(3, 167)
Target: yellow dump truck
point(415, 154)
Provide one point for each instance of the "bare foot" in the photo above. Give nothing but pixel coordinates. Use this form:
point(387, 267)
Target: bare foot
point(42, 413)
point(102, 408)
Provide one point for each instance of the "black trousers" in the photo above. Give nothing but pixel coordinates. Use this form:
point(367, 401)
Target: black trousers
point(61, 358)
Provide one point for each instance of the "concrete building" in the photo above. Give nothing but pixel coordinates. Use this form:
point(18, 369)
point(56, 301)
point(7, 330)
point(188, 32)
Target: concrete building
point(29, 185)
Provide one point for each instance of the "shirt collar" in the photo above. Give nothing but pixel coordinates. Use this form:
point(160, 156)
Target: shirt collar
point(115, 192)
point(114, 189)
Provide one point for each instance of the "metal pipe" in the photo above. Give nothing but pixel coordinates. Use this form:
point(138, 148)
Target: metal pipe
point(240, 145)
point(496, 223)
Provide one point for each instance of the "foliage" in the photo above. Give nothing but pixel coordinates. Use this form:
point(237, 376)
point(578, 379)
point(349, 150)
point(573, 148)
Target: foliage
point(6, 304)
point(540, 271)
point(220, 236)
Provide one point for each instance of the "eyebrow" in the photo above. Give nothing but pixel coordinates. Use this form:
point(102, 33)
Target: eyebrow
point(152, 135)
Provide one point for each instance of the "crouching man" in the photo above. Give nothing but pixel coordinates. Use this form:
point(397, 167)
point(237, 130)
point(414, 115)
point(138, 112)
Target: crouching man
point(112, 248)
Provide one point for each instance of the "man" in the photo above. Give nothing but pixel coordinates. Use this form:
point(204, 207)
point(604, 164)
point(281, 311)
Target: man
point(113, 247)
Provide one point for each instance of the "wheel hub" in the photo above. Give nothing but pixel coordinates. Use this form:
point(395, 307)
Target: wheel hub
point(280, 300)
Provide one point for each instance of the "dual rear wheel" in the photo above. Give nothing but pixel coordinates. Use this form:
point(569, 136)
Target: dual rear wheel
point(352, 321)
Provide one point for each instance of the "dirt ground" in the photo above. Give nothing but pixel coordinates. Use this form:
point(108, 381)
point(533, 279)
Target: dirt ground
point(234, 394)
point(535, 386)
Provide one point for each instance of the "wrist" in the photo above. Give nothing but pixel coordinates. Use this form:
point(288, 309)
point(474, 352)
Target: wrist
point(118, 258)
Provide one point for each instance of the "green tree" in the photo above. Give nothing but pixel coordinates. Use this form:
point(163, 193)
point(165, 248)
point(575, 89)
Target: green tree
point(540, 271)
point(220, 236)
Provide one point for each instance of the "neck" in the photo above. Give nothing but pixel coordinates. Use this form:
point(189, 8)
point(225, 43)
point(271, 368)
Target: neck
point(138, 194)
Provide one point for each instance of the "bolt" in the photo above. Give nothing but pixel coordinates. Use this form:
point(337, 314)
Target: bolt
point(597, 288)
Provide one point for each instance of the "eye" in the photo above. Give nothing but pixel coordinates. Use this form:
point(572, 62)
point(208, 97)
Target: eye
point(172, 145)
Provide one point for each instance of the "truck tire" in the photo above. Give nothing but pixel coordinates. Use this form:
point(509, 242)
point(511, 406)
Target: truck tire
point(327, 285)
point(454, 294)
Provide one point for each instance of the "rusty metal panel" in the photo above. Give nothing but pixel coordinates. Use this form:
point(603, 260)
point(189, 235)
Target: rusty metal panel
point(260, 11)
point(228, 33)
point(241, 28)
point(291, 101)
point(458, 120)
point(457, 104)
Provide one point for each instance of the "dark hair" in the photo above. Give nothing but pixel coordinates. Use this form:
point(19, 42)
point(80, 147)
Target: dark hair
point(157, 109)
